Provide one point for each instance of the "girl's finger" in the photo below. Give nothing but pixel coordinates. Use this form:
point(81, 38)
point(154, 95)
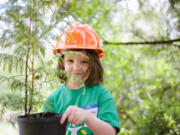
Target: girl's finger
point(65, 115)
point(77, 122)
point(77, 118)
point(72, 115)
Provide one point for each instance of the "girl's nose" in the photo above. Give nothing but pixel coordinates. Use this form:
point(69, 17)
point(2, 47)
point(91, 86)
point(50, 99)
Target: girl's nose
point(76, 66)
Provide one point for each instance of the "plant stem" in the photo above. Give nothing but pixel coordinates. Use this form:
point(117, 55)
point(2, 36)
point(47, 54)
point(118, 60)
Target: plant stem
point(26, 67)
point(32, 83)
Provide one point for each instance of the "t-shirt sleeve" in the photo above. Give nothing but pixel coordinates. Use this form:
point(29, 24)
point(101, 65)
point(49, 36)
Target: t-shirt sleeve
point(49, 104)
point(107, 110)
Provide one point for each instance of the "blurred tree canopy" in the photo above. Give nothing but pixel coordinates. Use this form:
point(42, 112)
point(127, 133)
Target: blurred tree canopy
point(142, 62)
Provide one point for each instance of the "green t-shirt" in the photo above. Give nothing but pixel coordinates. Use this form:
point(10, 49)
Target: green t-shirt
point(95, 99)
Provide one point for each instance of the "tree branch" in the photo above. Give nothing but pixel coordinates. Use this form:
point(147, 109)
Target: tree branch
point(162, 42)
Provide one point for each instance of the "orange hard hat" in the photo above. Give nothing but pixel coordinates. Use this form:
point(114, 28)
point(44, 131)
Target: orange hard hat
point(79, 36)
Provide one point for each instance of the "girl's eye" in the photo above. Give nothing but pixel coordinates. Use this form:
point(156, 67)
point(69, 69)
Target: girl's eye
point(70, 60)
point(84, 62)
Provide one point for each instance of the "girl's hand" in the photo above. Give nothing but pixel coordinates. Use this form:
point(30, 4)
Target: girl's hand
point(75, 115)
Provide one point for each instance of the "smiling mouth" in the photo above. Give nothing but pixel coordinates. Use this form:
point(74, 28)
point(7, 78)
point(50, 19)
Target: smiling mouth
point(77, 73)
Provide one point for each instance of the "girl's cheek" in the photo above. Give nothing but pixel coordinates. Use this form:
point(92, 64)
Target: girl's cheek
point(87, 69)
point(67, 68)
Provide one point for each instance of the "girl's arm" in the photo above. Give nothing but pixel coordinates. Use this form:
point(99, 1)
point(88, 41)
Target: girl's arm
point(99, 127)
point(77, 115)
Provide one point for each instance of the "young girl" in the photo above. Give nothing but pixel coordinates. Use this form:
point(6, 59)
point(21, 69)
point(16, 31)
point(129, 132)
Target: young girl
point(87, 106)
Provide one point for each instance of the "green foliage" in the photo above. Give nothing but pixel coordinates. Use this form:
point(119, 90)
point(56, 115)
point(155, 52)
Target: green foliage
point(157, 121)
point(27, 50)
point(12, 101)
point(8, 61)
point(144, 80)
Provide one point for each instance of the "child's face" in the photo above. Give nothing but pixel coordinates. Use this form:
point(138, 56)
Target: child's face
point(77, 65)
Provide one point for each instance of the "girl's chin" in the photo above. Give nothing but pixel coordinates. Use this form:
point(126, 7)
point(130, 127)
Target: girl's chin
point(78, 76)
point(77, 79)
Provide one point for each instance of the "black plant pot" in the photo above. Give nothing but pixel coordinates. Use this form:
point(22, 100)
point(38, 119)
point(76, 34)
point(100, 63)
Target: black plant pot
point(41, 124)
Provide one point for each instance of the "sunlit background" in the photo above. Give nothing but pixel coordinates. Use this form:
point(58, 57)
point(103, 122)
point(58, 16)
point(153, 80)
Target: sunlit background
point(143, 79)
